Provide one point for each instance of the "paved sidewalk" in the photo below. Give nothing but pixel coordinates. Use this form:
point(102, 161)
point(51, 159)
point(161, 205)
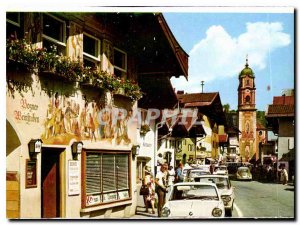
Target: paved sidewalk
point(142, 214)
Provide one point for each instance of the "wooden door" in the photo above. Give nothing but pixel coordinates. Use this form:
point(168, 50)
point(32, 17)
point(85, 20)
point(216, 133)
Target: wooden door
point(50, 184)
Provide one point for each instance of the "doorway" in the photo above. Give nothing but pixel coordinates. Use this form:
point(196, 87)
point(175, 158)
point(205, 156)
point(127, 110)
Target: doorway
point(51, 193)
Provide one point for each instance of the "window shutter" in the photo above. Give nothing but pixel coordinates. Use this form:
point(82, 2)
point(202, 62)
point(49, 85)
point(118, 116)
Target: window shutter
point(93, 173)
point(122, 171)
point(109, 176)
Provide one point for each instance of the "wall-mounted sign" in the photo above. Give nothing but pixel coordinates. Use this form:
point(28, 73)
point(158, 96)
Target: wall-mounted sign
point(93, 200)
point(110, 197)
point(30, 174)
point(74, 184)
point(123, 194)
point(147, 145)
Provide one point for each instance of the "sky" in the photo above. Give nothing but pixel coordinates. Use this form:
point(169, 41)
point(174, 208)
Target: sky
point(219, 42)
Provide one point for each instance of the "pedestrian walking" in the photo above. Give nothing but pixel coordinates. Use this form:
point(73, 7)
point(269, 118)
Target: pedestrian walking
point(148, 189)
point(161, 187)
point(284, 175)
point(171, 173)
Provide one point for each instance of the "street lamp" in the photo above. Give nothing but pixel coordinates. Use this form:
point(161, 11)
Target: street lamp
point(76, 149)
point(34, 147)
point(135, 150)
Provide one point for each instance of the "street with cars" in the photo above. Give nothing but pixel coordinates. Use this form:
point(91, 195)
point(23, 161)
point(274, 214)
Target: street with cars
point(226, 196)
point(263, 200)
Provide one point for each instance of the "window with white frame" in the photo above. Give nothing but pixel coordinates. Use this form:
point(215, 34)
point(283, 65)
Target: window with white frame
point(120, 63)
point(54, 33)
point(13, 25)
point(91, 51)
point(106, 177)
point(13, 18)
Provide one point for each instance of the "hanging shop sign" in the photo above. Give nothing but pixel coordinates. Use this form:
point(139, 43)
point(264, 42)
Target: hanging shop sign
point(74, 184)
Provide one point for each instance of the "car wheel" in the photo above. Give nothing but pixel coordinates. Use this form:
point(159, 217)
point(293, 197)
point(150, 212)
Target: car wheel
point(228, 212)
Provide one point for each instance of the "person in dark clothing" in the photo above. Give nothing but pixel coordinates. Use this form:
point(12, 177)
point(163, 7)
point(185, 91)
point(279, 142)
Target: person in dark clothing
point(161, 182)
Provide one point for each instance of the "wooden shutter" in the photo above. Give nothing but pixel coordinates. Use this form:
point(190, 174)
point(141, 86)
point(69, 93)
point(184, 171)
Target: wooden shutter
point(109, 176)
point(122, 171)
point(93, 173)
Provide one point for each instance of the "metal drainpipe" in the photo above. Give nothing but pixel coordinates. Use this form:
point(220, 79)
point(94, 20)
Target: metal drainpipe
point(157, 126)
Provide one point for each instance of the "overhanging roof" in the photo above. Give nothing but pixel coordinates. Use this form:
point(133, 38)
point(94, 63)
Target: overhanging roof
point(280, 111)
point(208, 103)
point(157, 92)
point(148, 38)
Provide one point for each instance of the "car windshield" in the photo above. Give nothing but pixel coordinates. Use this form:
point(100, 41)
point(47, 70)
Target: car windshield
point(221, 168)
point(199, 192)
point(194, 173)
point(184, 171)
point(221, 182)
point(243, 170)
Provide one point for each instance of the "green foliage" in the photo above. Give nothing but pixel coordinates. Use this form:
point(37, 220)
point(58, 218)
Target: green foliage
point(260, 116)
point(47, 60)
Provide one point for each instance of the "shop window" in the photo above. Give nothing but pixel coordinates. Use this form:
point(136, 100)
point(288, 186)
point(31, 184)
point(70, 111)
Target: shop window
point(120, 63)
point(91, 51)
point(13, 25)
point(107, 177)
point(54, 33)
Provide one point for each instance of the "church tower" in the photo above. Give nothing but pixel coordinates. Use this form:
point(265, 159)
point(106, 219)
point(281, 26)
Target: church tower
point(247, 113)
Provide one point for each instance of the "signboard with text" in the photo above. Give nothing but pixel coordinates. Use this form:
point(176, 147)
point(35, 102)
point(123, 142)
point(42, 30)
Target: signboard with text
point(74, 184)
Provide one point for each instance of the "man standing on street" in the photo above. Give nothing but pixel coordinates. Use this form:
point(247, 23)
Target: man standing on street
point(178, 173)
point(161, 184)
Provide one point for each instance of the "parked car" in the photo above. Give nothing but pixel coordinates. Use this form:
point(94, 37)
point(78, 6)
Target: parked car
point(193, 200)
point(221, 170)
point(243, 173)
point(232, 167)
point(185, 169)
point(226, 190)
point(193, 173)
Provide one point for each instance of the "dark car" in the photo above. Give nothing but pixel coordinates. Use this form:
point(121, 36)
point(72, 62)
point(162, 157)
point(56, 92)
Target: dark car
point(243, 173)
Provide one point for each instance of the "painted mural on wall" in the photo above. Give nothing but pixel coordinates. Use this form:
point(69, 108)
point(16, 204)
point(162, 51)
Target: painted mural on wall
point(94, 121)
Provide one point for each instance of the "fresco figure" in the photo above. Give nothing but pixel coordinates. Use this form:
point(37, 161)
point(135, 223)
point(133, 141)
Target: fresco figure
point(122, 129)
point(107, 120)
point(83, 121)
point(49, 123)
point(95, 115)
point(92, 127)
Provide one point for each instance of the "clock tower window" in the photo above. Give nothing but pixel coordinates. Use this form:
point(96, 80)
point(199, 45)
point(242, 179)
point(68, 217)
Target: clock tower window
point(247, 99)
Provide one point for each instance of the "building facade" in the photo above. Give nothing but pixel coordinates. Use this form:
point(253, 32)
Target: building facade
point(281, 120)
point(71, 117)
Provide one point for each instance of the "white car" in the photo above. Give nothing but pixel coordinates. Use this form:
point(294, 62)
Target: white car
point(221, 170)
point(193, 200)
point(226, 190)
point(192, 174)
